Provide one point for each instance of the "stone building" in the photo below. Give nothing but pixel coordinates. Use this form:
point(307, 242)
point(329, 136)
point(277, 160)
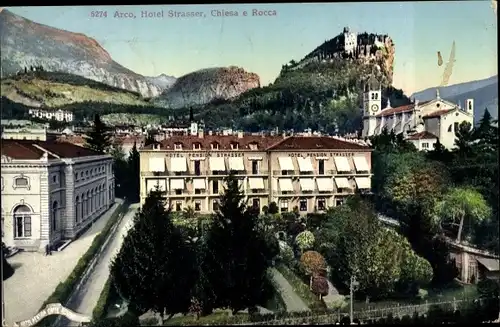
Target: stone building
point(51, 191)
point(310, 173)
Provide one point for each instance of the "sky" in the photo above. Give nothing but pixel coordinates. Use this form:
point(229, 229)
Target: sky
point(262, 44)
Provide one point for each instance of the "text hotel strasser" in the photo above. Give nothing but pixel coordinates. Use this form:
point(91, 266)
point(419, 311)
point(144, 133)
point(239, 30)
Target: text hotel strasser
point(159, 14)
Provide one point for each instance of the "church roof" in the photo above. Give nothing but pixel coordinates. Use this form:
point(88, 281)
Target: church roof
point(438, 113)
point(422, 136)
point(400, 109)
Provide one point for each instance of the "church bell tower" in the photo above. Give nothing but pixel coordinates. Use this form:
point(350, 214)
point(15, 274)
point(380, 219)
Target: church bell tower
point(372, 103)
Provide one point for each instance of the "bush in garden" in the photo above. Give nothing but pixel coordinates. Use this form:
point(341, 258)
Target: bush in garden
point(312, 263)
point(305, 240)
point(273, 208)
point(286, 252)
point(319, 285)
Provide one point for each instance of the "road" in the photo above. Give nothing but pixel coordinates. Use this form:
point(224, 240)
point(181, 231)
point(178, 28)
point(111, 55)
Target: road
point(293, 302)
point(85, 300)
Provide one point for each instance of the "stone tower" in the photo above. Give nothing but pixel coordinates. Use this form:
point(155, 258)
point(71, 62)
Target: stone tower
point(372, 102)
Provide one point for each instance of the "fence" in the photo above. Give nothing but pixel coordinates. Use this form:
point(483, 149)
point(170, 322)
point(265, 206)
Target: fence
point(396, 311)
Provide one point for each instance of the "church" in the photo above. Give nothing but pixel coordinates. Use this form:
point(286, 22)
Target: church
point(421, 123)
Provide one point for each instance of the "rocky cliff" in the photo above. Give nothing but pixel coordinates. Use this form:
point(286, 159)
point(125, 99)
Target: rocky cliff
point(370, 50)
point(162, 81)
point(25, 43)
point(208, 85)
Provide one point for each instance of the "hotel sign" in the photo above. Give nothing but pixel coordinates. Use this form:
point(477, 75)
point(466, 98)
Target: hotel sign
point(322, 154)
point(206, 155)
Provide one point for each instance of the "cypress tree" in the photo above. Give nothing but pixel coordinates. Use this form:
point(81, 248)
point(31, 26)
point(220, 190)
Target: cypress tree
point(99, 138)
point(236, 255)
point(153, 270)
point(133, 182)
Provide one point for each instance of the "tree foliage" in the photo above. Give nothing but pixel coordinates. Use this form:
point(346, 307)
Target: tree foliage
point(236, 255)
point(355, 244)
point(312, 263)
point(153, 270)
point(461, 204)
point(99, 138)
point(305, 240)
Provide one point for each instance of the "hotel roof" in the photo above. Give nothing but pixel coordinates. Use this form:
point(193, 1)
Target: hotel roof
point(263, 143)
point(34, 149)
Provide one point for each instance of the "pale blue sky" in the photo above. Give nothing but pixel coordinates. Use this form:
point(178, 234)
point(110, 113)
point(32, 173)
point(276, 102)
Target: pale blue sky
point(177, 46)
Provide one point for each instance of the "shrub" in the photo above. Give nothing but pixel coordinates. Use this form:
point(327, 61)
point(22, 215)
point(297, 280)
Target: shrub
point(64, 289)
point(273, 208)
point(305, 240)
point(319, 285)
point(312, 262)
point(99, 311)
point(286, 252)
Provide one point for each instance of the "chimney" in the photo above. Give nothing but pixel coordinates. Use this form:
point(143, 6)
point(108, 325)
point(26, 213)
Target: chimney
point(240, 134)
point(283, 134)
point(200, 133)
point(210, 133)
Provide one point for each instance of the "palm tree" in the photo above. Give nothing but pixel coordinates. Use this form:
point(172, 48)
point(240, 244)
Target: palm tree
point(460, 204)
point(189, 213)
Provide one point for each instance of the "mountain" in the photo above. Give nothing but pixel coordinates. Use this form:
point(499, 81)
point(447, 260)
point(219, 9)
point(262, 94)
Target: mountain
point(322, 91)
point(52, 89)
point(206, 85)
point(484, 92)
point(25, 43)
point(162, 81)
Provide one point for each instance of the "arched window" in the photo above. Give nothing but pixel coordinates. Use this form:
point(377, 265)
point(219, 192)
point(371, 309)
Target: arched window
point(54, 215)
point(449, 128)
point(77, 208)
point(22, 221)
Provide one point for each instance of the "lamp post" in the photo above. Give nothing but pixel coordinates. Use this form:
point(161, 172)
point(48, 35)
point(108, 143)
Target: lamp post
point(354, 284)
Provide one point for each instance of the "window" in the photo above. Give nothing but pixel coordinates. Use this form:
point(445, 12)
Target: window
point(178, 206)
point(374, 96)
point(321, 204)
point(215, 205)
point(284, 205)
point(215, 187)
point(178, 192)
point(197, 191)
point(425, 145)
point(255, 167)
point(22, 221)
point(253, 146)
point(321, 167)
point(303, 204)
point(214, 146)
point(197, 206)
point(197, 170)
point(196, 146)
point(455, 127)
point(81, 174)
point(88, 210)
point(339, 202)
point(284, 172)
point(54, 215)
point(449, 128)
point(234, 146)
point(177, 146)
point(2, 183)
point(21, 182)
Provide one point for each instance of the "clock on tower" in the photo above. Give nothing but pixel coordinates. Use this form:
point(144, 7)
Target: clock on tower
point(374, 108)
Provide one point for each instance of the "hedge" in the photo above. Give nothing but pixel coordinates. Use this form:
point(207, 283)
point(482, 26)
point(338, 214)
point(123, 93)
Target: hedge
point(99, 311)
point(64, 289)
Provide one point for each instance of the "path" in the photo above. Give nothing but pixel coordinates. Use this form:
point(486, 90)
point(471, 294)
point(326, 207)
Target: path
point(293, 302)
point(85, 299)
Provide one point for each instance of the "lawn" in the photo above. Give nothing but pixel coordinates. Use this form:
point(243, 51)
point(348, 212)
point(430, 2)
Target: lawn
point(301, 288)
